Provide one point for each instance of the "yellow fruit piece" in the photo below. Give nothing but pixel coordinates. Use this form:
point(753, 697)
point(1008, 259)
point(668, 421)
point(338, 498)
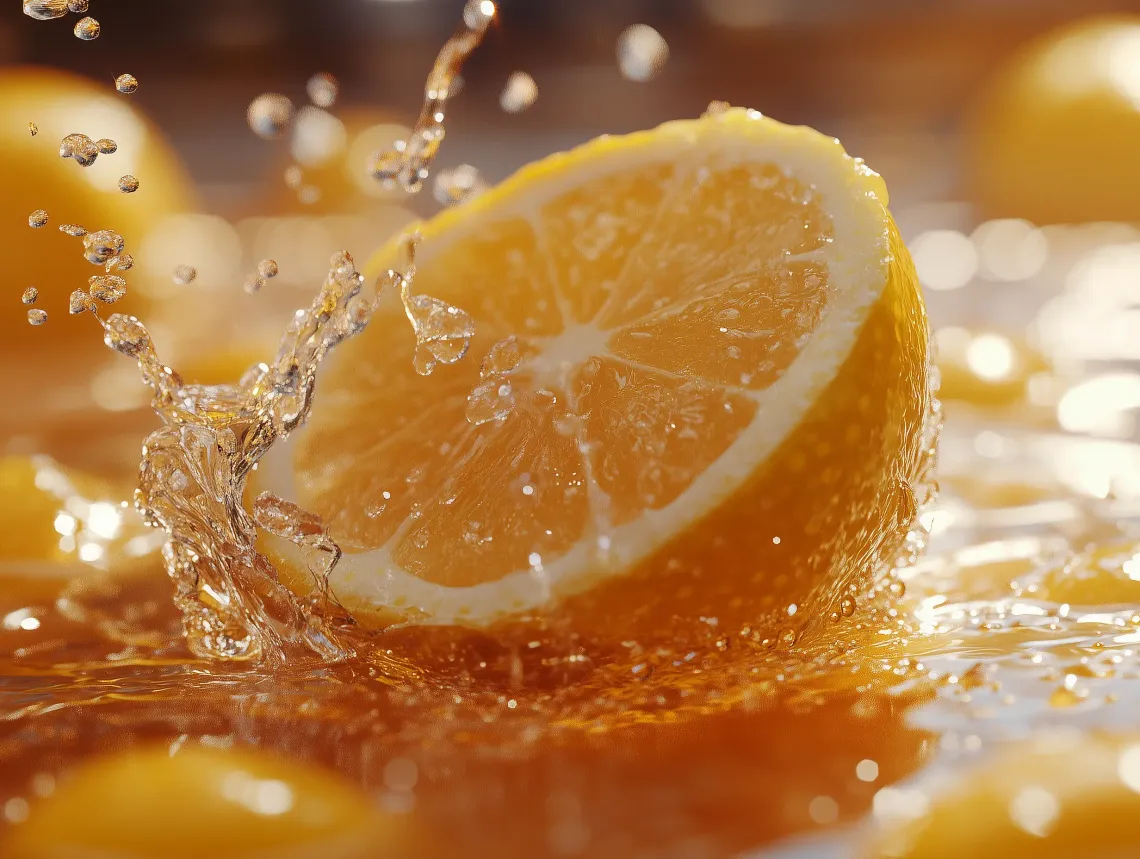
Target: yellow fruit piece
point(719, 409)
point(1063, 794)
point(51, 364)
point(205, 802)
point(1054, 137)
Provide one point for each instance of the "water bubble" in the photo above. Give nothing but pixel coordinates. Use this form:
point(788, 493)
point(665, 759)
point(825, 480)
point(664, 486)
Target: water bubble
point(30, 295)
point(126, 84)
point(107, 146)
point(33, 129)
point(293, 176)
point(108, 288)
point(38, 218)
point(73, 230)
point(37, 317)
point(458, 185)
point(80, 147)
point(519, 93)
point(269, 114)
point(443, 332)
point(184, 274)
point(77, 6)
point(253, 284)
point(101, 246)
point(267, 268)
point(477, 14)
point(79, 302)
point(128, 184)
point(641, 52)
point(87, 29)
point(45, 10)
point(323, 89)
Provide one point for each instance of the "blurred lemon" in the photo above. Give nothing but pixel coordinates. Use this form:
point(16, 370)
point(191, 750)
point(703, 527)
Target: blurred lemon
point(1056, 137)
point(51, 363)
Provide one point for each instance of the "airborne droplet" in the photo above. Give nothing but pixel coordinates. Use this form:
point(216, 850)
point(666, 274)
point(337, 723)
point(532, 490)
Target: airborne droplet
point(79, 302)
point(107, 146)
point(80, 147)
point(269, 114)
point(184, 274)
point(45, 10)
point(73, 230)
point(30, 295)
point(102, 245)
point(642, 53)
point(443, 332)
point(519, 93)
point(77, 6)
point(126, 84)
point(87, 29)
point(37, 316)
point(108, 288)
point(33, 129)
point(458, 185)
point(478, 13)
point(323, 89)
point(128, 184)
point(38, 218)
point(267, 268)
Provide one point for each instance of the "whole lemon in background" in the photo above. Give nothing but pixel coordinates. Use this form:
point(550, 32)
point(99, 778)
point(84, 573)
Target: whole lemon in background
point(1056, 136)
point(50, 366)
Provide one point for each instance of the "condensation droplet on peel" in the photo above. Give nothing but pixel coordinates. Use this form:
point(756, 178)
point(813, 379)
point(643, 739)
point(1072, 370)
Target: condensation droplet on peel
point(102, 245)
point(38, 218)
point(37, 316)
point(128, 184)
point(519, 93)
point(77, 6)
point(323, 89)
point(108, 288)
point(293, 177)
point(458, 185)
point(45, 10)
point(73, 230)
point(33, 129)
point(184, 274)
point(30, 295)
point(80, 147)
point(107, 146)
point(253, 284)
point(642, 53)
point(126, 84)
point(79, 302)
point(267, 268)
point(87, 29)
point(269, 114)
point(847, 606)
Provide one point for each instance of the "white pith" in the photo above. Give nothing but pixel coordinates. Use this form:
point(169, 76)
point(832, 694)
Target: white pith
point(857, 259)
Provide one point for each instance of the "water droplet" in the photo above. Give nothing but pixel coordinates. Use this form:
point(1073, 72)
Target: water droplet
point(126, 84)
point(323, 89)
point(79, 302)
point(847, 606)
point(30, 295)
point(492, 400)
point(37, 317)
point(73, 230)
point(123, 262)
point(87, 29)
point(477, 14)
point(45, 10)
point(443, 332)
point(788, 637)
point(519, 93)
point(77, 6)
point(505, 355)
point(33, 129)
point(108, 288)
point(101, 246)
point(642, 52)
point(293, 177)
point(253, 283)
point(80, 147)
point(107, 146)
point(38, 218)
point(184, 274)
point(125, 334)
point(267, 268)
point(269, 114)
point(128, 184)
point(458, 185)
